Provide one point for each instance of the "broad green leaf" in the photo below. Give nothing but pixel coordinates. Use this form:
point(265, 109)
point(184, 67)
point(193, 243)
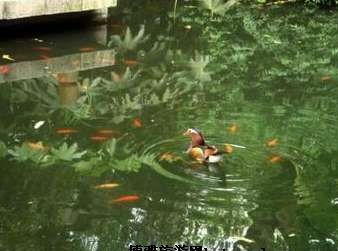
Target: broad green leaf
point(111, 147)
point(67, 153)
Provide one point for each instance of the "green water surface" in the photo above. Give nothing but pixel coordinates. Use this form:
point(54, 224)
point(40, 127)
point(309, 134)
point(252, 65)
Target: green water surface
point(253, 76)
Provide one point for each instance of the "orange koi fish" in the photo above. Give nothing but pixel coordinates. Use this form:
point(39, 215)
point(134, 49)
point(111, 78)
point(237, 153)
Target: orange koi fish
point(325, 78)
point(137, 122)
point(4, 69)
point(107, 186)
point(228, 148)
point(37, 146)
point(65, 131)
point(275, 159)
point(272, 143)
point(126, 198)
point(97, 137)
point(87, 49)
point(110, 132)
point(233, 129)
point(130, 62)
point(105, 131)
point(42, 48)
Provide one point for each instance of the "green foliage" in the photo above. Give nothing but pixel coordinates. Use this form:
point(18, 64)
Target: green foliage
point(25, 153)
point(218, 7)
point(3, 150)
point(131, 164)
point(67, 153)
point(129, 42)
point(197, 66)
point(323, 2)
point(90, 167)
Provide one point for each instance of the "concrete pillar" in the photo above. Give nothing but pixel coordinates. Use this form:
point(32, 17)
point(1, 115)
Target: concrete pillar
point(69, 91)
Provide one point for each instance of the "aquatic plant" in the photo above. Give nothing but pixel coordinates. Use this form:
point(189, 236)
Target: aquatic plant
point(129, 42)
point(3, 149)
point(322, 2)
point(218, 7)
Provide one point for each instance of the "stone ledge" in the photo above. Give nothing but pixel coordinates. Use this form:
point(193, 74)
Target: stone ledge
point(16, 9)
point(64, 64)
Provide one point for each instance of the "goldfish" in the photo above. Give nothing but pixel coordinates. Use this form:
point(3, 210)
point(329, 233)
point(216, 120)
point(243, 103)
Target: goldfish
point(126, 198)
point(42, 48)
point(325, 78)
point(4, 69)
point(109, 132)
point(137, 122)
point(107, 186)
point(105, 131)
point(228, 148)
point(37, 146)
point(275, 159)
point(233, 129)
point(130, 62)
point(65, 131)
point(97, 137)
point(87, 49)
point(272, 143)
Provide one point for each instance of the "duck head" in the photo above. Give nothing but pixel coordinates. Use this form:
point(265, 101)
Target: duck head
point(196, 136)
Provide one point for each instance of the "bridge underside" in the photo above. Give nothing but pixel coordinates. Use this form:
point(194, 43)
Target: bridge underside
point(17, 9)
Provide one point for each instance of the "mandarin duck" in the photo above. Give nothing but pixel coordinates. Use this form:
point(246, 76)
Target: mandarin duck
point(200, 150)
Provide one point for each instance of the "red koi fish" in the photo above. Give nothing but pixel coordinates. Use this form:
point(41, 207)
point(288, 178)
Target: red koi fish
point(66, 131)
point(87, 49)
point(272, 143)
point(126, 198)
point(137, 122)
point(4, 69)
point(97, 137)
point(42, 48)
point(275, 159)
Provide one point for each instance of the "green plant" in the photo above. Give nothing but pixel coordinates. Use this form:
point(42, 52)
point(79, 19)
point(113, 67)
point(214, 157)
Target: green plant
point(129, 42)
point(322, 2)
point(26, 153)
point(3, 149)
point(218, 7)
point(67, 153)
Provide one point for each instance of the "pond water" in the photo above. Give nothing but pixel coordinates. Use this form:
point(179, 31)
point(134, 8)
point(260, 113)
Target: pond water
point(91, 123)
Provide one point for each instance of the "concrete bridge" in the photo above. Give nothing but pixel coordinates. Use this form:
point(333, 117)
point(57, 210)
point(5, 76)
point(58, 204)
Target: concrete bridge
point(66, 54)
point(17, 9)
